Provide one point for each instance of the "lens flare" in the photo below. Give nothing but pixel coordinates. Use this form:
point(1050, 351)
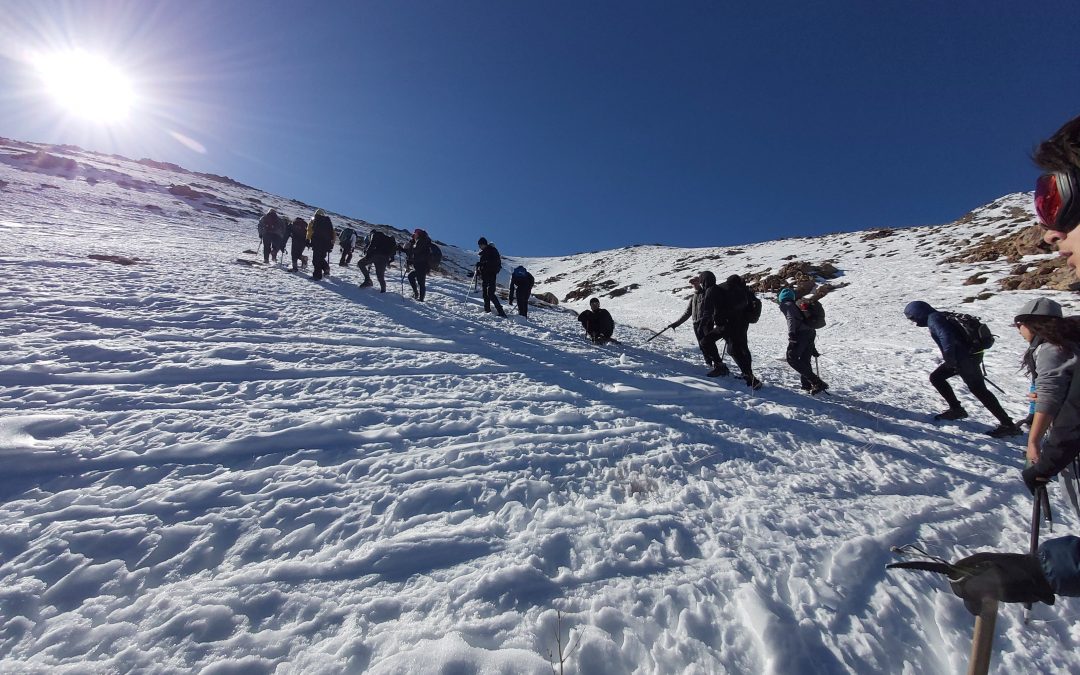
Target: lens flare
point(87, 86)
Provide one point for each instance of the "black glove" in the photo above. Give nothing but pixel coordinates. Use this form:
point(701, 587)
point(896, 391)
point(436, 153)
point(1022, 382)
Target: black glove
point(814, 352)
point(1032, 480)
point(1006, 577)
point(672, 326)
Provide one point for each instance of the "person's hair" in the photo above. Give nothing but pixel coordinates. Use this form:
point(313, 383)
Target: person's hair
point(592, 300)
point(1060, 152)
point(1060, 332)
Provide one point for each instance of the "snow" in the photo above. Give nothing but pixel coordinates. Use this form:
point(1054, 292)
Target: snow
point(225, 468)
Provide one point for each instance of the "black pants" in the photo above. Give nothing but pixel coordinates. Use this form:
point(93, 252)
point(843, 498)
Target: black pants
point(319, 262)
point(346, 256)
point(380, 261)
point(738, 347)
point(490, 297)
point(970, 371)
point(707, 343)
point(800, 350)
point(522, 302)
point(298, 246)
point(418, 281)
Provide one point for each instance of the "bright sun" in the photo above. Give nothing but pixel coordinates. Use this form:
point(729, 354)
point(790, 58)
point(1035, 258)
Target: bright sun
point(87, 86)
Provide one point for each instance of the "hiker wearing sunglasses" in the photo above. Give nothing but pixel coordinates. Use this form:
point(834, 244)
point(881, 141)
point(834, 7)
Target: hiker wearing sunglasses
point(1057, 191)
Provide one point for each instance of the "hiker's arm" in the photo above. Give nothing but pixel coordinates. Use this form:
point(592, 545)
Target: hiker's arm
point(1040, 422)
point(1055, 367)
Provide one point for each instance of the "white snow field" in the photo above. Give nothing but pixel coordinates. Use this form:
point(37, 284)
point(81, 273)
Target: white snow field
point(217, 467)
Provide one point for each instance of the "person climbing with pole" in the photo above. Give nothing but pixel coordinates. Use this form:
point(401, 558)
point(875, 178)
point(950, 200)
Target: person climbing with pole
point(488, 270)
point(418, 256)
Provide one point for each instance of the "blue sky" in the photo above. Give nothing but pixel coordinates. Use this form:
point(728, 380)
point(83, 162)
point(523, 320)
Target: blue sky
point(557, 127)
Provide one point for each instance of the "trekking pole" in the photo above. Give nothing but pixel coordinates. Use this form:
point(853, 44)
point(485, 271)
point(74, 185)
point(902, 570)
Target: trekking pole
point(657, 333)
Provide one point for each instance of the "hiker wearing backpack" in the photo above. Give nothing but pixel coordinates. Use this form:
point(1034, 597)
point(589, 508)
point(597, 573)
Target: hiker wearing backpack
point(418, 256)
point(963, 357)
point(379, 250)
point(1052, 360)
point(347, 241)
point(740, 308)
point(597, 322)
point(298, 234)
point(271, 232)
point(1057, 191)
point(321, 236)
point(801, 338)
point(713, 300)
point(488, 269)
point(521, 285)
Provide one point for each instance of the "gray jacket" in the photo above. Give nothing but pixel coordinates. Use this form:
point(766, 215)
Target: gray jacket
point(1057, 385)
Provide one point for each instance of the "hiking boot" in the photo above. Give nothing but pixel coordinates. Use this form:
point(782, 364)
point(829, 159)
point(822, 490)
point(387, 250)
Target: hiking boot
point(952, 414)
point(1005, 430)
point(818, 388)
point(718, 371)
point(753, 382)
point(366, 284)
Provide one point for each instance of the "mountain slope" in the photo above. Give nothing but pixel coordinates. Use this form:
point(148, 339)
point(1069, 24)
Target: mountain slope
point(228, 468)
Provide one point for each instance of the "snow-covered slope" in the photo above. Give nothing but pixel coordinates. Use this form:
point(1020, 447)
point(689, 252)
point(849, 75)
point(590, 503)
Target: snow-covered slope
point(218, 467)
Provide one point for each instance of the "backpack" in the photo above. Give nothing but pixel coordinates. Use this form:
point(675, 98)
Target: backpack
point(753, 307)
point(346, 237)
point(814, 313)
point(976, 333)
point(434, 256)
point(383, 243)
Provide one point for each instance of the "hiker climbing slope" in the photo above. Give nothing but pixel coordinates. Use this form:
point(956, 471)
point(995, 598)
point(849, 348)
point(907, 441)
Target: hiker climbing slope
point(961, 357)
point(521, 285)
point(801, 338)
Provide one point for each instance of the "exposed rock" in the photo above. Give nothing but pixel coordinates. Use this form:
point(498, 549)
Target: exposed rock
point(118, 259)
point(974, 279)
point(188, 192)
point(547, 297)
point(45, 162)
point(623, 291)
point(879, 234)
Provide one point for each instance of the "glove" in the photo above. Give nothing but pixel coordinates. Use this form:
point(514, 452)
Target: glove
point(1032, 480)
point(814, 352)
point(1006, 577)
point(671, 326)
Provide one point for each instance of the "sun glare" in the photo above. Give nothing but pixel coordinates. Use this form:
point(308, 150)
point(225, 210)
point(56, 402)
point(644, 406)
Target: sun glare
point(87, 86)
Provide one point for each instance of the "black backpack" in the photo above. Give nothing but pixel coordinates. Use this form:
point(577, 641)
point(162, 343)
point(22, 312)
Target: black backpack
point(814, 313)
point(434, 256)
point(383, 243)
point(753, 307)
point(976, 333)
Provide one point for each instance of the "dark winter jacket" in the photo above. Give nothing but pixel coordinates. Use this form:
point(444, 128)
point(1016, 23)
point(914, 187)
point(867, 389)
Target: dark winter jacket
point(379, 244)
point(298, 232)
point(418, 251)
point(597, 323)
point(322, 232)
point(521, 283)
point(490, 262)
point(693, 311)
point(271, 224)
point(797, 326)
point(947, 334)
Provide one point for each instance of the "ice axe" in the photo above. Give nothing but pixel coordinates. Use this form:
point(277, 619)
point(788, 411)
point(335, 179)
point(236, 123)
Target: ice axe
point(657, 333)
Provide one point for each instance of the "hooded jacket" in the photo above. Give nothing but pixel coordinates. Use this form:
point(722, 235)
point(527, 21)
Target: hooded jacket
point(948, 336)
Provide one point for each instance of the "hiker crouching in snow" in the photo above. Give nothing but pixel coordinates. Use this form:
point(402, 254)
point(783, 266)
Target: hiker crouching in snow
point(521, 285)
point(597, 322)
point(801, 347)
point(960, 360)
point(1051, 360)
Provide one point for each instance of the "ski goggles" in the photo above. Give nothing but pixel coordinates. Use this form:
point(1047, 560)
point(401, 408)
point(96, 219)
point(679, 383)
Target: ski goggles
point(1057, 200)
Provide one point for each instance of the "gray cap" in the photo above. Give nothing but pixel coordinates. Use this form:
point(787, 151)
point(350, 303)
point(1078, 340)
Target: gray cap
point(1038, 307)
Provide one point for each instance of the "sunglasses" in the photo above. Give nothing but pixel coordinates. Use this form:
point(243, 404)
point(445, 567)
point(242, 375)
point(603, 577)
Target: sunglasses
point(1057, 200)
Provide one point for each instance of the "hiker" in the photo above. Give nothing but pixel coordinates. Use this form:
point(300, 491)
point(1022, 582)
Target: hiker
point(321, 237)
point(714, 314)
point(488, 270)
point(418, 256)
point(521, 285)
point(737, 311)
point(347, 240)
point(960, 359)
point(1057, 191)
point(298, 233)
point(597, 323)
point(693, 312)
point(379, 250)
point(801, 347)
point(271, 231)
point(1051, 360)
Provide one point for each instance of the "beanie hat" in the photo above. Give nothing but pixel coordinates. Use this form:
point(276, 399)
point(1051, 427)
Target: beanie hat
point(519, 271)
point(785, 295)
point(481, 242)
point(1038, 307)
